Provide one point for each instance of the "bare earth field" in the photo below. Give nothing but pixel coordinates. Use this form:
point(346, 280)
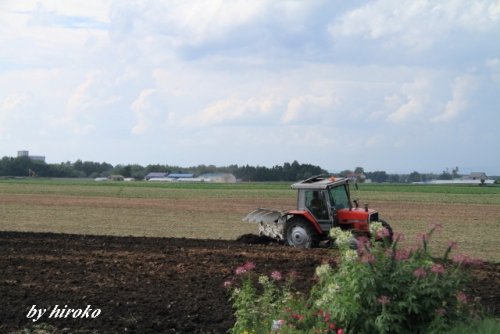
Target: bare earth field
point(153, 258)
point(150, 285)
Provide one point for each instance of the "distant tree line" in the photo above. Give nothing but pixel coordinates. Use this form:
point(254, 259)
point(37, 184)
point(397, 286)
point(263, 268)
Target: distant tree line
point(381, 176)
point(24, 166)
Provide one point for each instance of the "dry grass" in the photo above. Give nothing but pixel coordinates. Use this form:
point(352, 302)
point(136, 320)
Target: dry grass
point(215, 212)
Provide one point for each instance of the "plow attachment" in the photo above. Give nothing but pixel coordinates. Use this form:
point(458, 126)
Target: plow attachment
point(270, 222)
point(262, 215)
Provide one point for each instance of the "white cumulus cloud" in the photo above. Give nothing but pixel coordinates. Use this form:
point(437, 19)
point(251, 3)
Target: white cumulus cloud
point(458, 103)
point(410, 103)
point(145, 111)
point(234, 109)
point(416, 24)
point(307, 107)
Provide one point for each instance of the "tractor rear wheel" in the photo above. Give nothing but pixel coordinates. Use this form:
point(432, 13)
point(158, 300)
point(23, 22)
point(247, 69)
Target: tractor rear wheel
point(299, 233)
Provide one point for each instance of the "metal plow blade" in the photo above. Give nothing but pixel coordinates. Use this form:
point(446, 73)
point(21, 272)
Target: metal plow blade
point(265, 216)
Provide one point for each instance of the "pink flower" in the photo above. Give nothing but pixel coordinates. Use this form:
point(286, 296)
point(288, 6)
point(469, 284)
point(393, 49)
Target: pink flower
point(361, 243)
point(401, 254)
point(437, 268)
point(340, 331)
point(244, 268)
point(419, 272)
point(462, 297)
point(326, 317)
point(466, 260)
point(383, 233)
point(276, 275)
point(298, 317)
point(367, 258)
point(383, 300)
point(249, 265)
point(397, 236)
point(460, 258)
point(227, 284)
point(240, 271)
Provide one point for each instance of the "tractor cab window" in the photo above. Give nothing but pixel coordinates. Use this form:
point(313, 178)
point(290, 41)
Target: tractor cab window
point(338, 197)
point(315, 202)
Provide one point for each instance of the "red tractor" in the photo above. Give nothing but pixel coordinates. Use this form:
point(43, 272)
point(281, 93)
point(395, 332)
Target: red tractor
point(322, 203)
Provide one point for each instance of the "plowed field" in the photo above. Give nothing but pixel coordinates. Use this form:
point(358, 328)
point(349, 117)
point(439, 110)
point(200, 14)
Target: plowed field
point(149, 285)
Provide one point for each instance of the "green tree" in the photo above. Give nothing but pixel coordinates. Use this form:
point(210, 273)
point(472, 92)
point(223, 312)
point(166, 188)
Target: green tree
point(415, 177)
point(378, 176)
point(359, 170)
point(445, 175)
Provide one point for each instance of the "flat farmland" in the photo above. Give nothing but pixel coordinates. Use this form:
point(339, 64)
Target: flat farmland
point(144, 253)
point(469, 215)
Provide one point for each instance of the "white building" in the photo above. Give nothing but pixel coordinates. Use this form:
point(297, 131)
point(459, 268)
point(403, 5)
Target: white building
point(32, 157)
point(218, 177)
point(472, 178)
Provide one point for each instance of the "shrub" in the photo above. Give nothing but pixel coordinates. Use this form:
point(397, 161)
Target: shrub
point(387, 289)
point(378, 287)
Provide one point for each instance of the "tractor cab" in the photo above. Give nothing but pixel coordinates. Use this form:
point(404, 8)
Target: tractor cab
point(323, 197)
point(325, 203)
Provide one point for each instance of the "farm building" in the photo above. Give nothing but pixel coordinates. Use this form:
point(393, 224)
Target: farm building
point(155, 175)
point(180, 176)
point(472, 178)
point(161, 179)
point(116, 177)
point(218, 177)
point(475, 176)
point(172, 177)
point(185, 177)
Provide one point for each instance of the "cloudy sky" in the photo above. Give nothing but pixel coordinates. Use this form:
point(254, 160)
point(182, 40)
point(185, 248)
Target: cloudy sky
point(394, 85)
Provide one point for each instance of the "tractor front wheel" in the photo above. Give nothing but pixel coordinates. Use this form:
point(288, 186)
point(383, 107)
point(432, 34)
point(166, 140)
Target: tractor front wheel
point(300, 234)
